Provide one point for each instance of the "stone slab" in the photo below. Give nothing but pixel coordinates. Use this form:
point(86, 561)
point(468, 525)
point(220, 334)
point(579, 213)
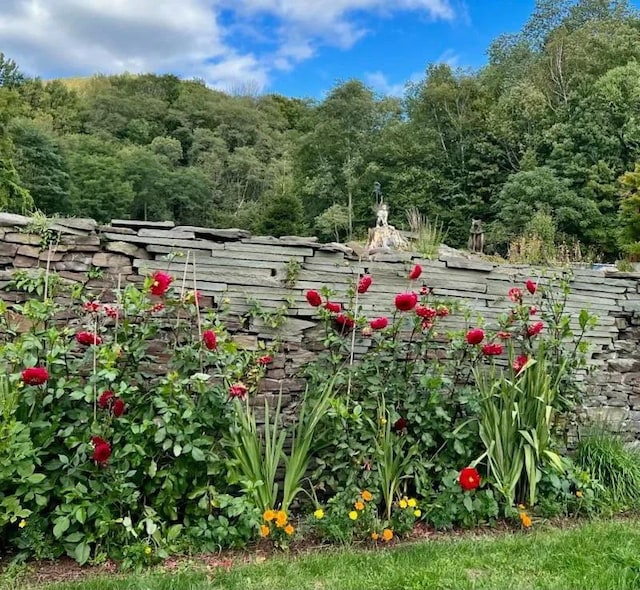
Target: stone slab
point(215, 233)
point(138, 224)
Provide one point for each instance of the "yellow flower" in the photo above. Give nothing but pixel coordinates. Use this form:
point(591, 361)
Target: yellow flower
point(403, 503)
point(387, 535)
point(375, 536)
point(412, 502)
point(353, 515)
point(264, 530)
point(521, 507)
point(417, 513)
point(359, 505)
point(366, 496)
point(269, 515)
point(579, 494)
point(281, 518)
point(319, 513)
point(526, 520)
point(289, 530)
point(23, 523)
point(147, 550)
point(383, 421)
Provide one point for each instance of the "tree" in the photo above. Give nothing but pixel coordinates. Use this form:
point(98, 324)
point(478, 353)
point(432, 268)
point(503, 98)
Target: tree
point(283, 216)
point(332, 222)
point(10, 74)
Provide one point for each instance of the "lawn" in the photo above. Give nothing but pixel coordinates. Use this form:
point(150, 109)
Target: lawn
point(596, 555)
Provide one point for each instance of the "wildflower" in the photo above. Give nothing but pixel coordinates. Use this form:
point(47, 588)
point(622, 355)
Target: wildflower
point(319, 514)
point(415, 273)
point(442, 311)
point(210, 339)
point(264, 530)
point(22, 523)
point(353, 515)
point(426, 324)
point(118, 407)
point(400, 425)
point(492, 349)
point(424, 311)
point(579, 494)
point(406, 301)
point(417, 513)
point(91, 306)
point(469, 479)
point(281, 519)
point(88, 338)
point(105, 399)
point(403, 503)
point(35, 376)
point(289, 530)
point(515, 294)
point(379, 323)
point(475, 336)
point(366, 495)
point(375, 536)
point(364, 284)
point(519, 363)
point(535, 329)
point(412, 502)
point(358, 505)
point(314, 298)
point(238, 390)
point(265, 360)
point(111, 312)
point(424, 290)
point(345, 321)
point(504, 335)
point(387, 535)
point(533, 310)
point(157, 308)
point(531, 286)
point(521, 507)
point(333, 307)
point(147, 550)
point(526, 520)
point(269, 515)
point(161, 282)
point(101, 450)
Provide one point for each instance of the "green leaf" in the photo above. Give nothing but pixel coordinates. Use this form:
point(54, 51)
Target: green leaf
point(81, 515)
point(82, 552)
point(36, 478)
point(61, 526)
point(468, 503)
point(177, 449)
point(197, 454)
point(153, 469)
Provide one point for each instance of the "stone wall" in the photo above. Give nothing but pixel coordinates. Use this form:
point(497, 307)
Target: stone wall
point(232, 265)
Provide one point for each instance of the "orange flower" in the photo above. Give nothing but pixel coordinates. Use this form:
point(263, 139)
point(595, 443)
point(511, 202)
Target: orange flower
point(281, 518)
point(366, 496)
point(526, 520)
point(289, 530)
point(387, 535)
point(375, 536)
point(264, 530)
point(269, 515)
point(359, 505)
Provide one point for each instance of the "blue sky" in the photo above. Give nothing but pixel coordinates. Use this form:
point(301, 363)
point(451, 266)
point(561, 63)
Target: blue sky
point(294, 47)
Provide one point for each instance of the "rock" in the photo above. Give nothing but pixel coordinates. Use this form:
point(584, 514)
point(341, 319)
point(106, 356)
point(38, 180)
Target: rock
point(80, 223)
point(8, 249)
point(25, 262)
point(80, 240)
point(116, 230)
point(386, 236)
point(72, 266)
point(13, 220)
point(20, 238)
point(624, 365)
point(138, 224)
point(31, 251)
point(128, 249)
point(216, 234)
point(104, 259)
point(162, 233)
point(469, 264)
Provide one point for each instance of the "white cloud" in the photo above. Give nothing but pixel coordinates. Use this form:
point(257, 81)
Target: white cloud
point(79, 37)
point(380, 83)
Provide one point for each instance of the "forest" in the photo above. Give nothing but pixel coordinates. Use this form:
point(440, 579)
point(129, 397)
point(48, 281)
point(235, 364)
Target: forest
point(542, 141)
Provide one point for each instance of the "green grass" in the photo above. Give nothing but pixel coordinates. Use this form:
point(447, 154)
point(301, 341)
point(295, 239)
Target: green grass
point(597, 555)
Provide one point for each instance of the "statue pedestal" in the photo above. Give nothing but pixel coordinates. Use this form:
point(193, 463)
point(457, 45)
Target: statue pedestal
point(385, 237)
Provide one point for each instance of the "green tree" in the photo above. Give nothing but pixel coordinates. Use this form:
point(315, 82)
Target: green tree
point(283, 216)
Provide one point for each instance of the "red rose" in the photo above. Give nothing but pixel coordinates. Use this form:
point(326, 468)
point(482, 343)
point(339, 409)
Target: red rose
point(503, 335)
point(379, 323)
point(161, 282)
point(98, 440)
point(105, 399)
point(345, 321)
point(265, 360)
point(535, 329)
point(364, 284)
point(415, 273)
point(469, 479)
point(210, 340)
point(515, 294)
point(118, 407)
point(442, 311)
point(91, 306)
point(314, 298)
point(35, 376)
point(531, 286)
point(88, 338)
point(475, 336)
point(112, 312)
point(424, 290)
point(238, 390)
point(520, 362)
point(102, 452)
point(426, 312)
point(333, 307)
point(406, 301)
point(400, 425)
point(492, 349)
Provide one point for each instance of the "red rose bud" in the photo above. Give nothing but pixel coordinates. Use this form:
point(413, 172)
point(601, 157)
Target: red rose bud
point(344, 320)
point(504, 335)
point(406, 301)
point(442, 311)
point(35, 376)
point(265, 360)
point(238, 390)
point(400, 425)
point(118, 407)
point(314, 298)
point(88, 338)
point(379, 323)
point(531, 286)
point(102, 452)
point(519, 363)
point(533, 310)
point(535, 329)
point(210, 339)
point(426, 312)
point(333, 307)
point(91, 306)
point(469, 479)
point(492, 349)
point(515, 294)
point(475, 336)
point(364, 284)
point(157, 308)
point(424, 290)
point(161, 283)
point(415, 273)
point(111, 312)
point(426, 324)
point(105, 399)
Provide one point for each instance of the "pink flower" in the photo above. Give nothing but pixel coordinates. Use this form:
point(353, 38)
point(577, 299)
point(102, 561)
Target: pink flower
point(492, 349)
point(426, 312)
point(88, 338)
point(238, 390)
point(426, 324)
point(314, 298)
point(415, 273)
point(515, 294)
point(161, 283)
point(379, 323)
point(210, 339)
point(519, 363)
point(111, 312)
point(91, 306)
point(265, 360)
point(333, 307)
point(535, 329)
point(533, 310)
point(531, 286)
point(424, 290)
point(442, 311)
point(475, 336)
point(406, 301)
point(345, 321)
point(118, 407)
point(157, 308)
point(35, 376)
point(105, 399)
point(364, 284)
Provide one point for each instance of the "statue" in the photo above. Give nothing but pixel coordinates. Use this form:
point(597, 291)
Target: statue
point(383, 238)
point(382, 215)
point(476, 237)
